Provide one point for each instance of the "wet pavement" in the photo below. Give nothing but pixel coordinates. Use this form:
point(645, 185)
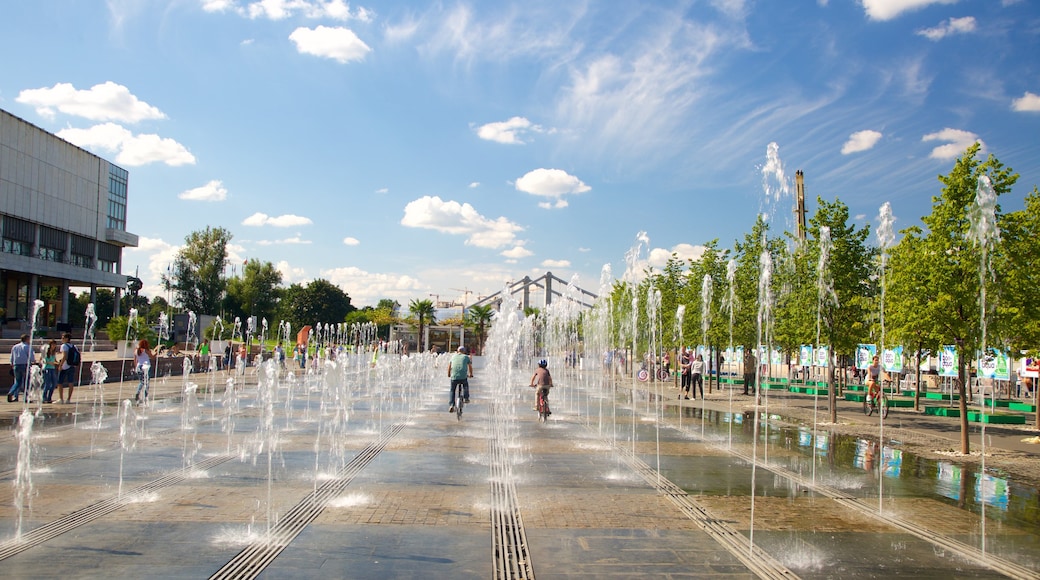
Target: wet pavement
point(392, 486)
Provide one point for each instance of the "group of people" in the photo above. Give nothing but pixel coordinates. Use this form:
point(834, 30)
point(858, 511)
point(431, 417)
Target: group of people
point(58, 361)
point(460, 370)
point(691, 374)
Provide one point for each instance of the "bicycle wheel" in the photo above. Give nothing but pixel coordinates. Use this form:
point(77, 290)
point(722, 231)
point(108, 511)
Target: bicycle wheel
point(459, 402)
point(867, 407)
point(883, 403)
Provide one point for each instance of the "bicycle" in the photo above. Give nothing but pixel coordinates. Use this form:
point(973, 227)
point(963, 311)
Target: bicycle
point(459, 400)
point(876, 402)
point(542, 405)
point(661, 373)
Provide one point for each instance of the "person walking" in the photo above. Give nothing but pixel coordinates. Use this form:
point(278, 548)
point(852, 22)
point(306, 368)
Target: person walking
point(684, 374)
point(750, 369)
point(68, 363)
point(697, 376)
point(460, 370)
point(50, 370)
point(143, 363)
point(21, 357)
point(542, 381)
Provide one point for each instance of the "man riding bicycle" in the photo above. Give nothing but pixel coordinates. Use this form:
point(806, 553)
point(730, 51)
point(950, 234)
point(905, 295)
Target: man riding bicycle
point(543, 381)
point(873, 379)
point(460, 370)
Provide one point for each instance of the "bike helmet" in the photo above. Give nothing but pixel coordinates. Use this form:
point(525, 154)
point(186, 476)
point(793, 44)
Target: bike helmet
point(462, 349)
point(543, 363)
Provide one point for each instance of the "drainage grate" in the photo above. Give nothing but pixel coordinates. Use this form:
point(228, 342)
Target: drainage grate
point(511, 557)
point(98, 510)
point(252, 560)
point(758, 561)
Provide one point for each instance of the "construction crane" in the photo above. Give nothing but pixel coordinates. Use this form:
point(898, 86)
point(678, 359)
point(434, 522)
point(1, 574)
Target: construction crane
point(465, 298)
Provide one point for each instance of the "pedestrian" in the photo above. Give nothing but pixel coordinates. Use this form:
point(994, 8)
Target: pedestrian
point(750, 369)
point(228, 361)
point(301, 355)
point(279, 355)
point(684, 375)
point(21, 357)
point(696, 376)
point(50, 369)
point(69, 363)
point(460, 370)
point(204, 355)
point(243, 360)
point(143, 364)
point(542, 381)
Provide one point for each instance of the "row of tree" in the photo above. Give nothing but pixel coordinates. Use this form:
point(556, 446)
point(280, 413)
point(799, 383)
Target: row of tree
point(922, 292)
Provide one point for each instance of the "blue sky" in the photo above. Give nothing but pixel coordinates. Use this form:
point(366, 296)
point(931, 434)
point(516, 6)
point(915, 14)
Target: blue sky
point(405, 149)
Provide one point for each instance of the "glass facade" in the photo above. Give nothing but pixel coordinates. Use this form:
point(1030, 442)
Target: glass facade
point(117, 179)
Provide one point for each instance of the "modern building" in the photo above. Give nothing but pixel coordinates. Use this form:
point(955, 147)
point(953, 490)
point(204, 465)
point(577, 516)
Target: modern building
point(62, 224)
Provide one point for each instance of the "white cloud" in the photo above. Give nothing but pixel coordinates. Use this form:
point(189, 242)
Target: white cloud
point(218, 5)
point(293, 241)
point(282, 221)
point(948, 27)
point(659, 256)
point(889, 9)
point(131, 150)
point(290, 275)
point(451, 217)
point(212, 191)
point(282, 9)
point(860, 141)
point(367, 288)
point(395, 33)
point(155, 255)
point(517, 252)
point(337, 43)
point(509, 132)
point(957, 141)
point(1028, 102)
point(552, 183)
point(104, 102)
point(349, 241)
point(474, 185)
point(556, 263)
point(382, 190)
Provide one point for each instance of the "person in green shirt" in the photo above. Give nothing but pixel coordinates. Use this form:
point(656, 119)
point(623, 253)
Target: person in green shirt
point(460, 370)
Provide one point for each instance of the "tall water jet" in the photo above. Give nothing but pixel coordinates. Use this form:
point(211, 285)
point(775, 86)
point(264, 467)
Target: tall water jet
point(765, 298)
point(680, 313)
point(984, 233)
point(23, 486)
point(192, 341)
point(886, 237)
point(730, 305)
point(98, 376)
point(128, 433)
point(824, 295)
point(706, 295)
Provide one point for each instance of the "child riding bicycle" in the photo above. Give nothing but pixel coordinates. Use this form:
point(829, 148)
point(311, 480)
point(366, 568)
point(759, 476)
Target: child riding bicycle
point(873, 380)
point(543, 381)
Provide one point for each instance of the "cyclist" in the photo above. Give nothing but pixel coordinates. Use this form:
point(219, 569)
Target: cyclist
point(542, 380)
point(460, 370)
point(873, 379)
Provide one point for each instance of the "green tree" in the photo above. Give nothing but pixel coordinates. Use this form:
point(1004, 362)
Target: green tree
point(319, 301)
point(197, 278)
point(952, 277)
point(255, 292)
point(479, 317)
point(424, 313)
point(1018, 278)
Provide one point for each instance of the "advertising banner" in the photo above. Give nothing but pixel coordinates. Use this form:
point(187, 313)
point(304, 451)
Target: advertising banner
point(948, 359)
point(823, 356)
point(1030, 368)
point(995, 365)
point(865, 355)
point(805, 358)
point(892, 359)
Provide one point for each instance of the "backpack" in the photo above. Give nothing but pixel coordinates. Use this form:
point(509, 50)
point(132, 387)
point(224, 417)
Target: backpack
point(73, 355)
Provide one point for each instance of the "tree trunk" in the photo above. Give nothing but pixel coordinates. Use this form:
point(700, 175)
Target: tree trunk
point(963, 404)
point(832, 395)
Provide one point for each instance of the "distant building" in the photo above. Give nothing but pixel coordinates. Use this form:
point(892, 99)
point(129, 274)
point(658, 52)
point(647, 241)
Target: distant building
point(62, 224)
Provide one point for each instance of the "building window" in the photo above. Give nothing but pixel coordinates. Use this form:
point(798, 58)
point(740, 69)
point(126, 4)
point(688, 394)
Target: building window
point(52, 255)
point(106, 266)
point(117, 179)
point(16, 247)
point(82, 261)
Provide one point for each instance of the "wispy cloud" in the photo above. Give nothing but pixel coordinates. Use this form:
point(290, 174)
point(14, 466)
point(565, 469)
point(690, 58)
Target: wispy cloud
point(369, 287)
point(349, 241)
point(293, 241)
point(283, 9)
point(517, 252)
point(860, 141)
point(131, 150)
point(957, 142)
point(212, 191)
point(282, 221)
point(947, 27)
point(107, 101)
point(451, 217)
point(339, 44)
point(556, 263)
